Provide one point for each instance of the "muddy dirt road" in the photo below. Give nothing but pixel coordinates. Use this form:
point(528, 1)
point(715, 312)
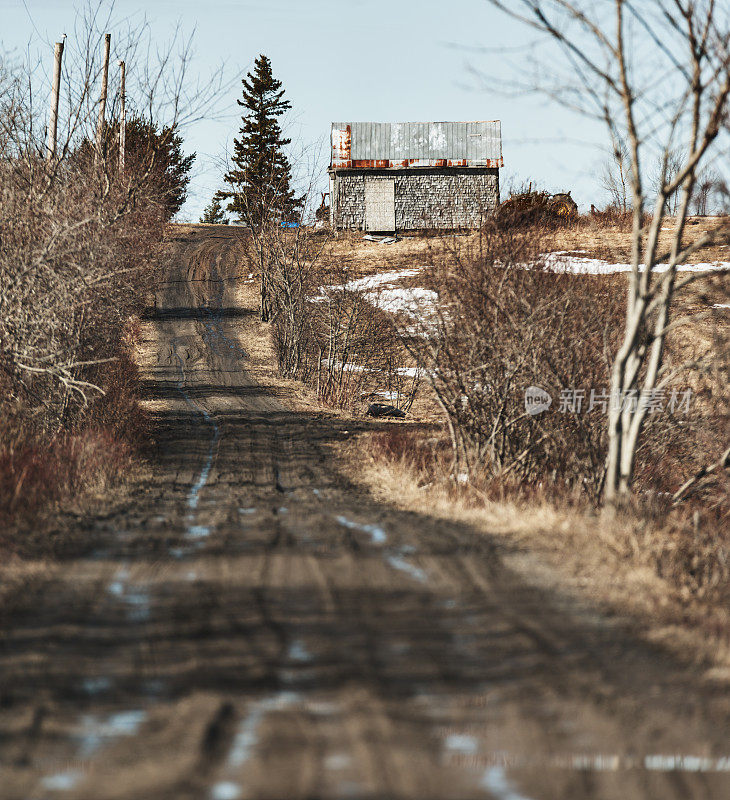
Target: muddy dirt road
point(250, 625)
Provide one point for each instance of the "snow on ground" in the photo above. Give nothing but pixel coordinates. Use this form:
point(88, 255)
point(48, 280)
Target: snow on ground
point(380, 291)
point(381, 279)
point(404, 372)
point(563, 261)
point(412, 301)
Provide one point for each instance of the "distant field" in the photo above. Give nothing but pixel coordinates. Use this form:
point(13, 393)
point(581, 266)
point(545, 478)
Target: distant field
point(590, 238)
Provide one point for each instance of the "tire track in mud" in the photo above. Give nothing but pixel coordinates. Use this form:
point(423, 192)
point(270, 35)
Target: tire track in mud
point(193, 498)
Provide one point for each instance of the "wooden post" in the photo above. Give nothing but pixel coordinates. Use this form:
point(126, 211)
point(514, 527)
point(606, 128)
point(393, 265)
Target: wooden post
point(102, 101)
point(55, 95)
point(122, 116)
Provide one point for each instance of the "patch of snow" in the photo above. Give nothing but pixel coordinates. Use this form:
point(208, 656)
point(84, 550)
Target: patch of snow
point(98, 685)
point(337, 761)
point(246, 737)
point(399, 563)
point(394, 558)
point(380, 239)
point(377, 535)
point(721, 305)
point(136, 598)
point(346, 367)
point(97, 732)
point(495, 781)
point(562, 261)
point(225, 790)
point(413, 301)
point(298, 652)
point(461, 743)
point(62, 781)
point(381, 279)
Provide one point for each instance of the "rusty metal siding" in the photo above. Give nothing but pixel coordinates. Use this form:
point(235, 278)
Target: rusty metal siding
point(386, 145)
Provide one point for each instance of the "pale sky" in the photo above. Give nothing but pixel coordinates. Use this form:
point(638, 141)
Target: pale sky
point(380, 60)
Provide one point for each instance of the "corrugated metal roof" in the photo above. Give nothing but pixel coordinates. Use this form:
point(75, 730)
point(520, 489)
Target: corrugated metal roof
point(362, 145)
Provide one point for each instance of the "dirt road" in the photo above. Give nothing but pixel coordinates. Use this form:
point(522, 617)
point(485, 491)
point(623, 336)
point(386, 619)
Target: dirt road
point(250, 625)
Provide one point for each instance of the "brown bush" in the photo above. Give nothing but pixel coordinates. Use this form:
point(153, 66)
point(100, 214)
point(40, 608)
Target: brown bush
point(78, 249)
point(328, 332)
point(505, 323)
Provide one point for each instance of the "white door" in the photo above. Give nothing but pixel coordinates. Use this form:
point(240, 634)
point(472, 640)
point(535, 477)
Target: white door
point(379, 204)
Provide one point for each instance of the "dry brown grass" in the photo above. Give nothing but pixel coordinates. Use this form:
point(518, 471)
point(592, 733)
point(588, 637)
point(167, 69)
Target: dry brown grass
point(612, 241)
point(598, 239)
point(669, 574)
point(668, 569)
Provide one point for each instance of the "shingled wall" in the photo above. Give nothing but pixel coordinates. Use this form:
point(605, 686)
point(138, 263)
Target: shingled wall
point(433, 198)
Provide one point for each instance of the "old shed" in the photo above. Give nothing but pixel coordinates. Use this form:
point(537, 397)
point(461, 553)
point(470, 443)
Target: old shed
point(413, 175)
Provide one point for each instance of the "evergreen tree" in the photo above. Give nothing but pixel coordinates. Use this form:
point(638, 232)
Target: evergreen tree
point(260, 180)
point(152, 151)
point(214, 214)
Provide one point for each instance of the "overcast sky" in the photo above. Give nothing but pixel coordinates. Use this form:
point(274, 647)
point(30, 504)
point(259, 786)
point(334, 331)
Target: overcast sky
point(380, 60)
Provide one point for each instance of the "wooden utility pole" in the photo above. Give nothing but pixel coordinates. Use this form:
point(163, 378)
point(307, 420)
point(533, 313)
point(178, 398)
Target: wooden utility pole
point(55, 95)
point(102, 101)
point(122, 116)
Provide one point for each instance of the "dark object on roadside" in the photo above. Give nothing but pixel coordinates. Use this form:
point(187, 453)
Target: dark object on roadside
point(384, 410)
point(530, 207)
point(563, 205)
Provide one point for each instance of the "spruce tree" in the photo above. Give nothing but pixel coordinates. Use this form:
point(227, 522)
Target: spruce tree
point(214, 214)
point(151, 150)
point(260, 189)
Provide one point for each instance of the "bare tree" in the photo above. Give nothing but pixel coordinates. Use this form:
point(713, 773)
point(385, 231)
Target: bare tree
point(666, 169)
point(707, 184)
point(78, 236)
point(614, 178)
point(656, 73)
